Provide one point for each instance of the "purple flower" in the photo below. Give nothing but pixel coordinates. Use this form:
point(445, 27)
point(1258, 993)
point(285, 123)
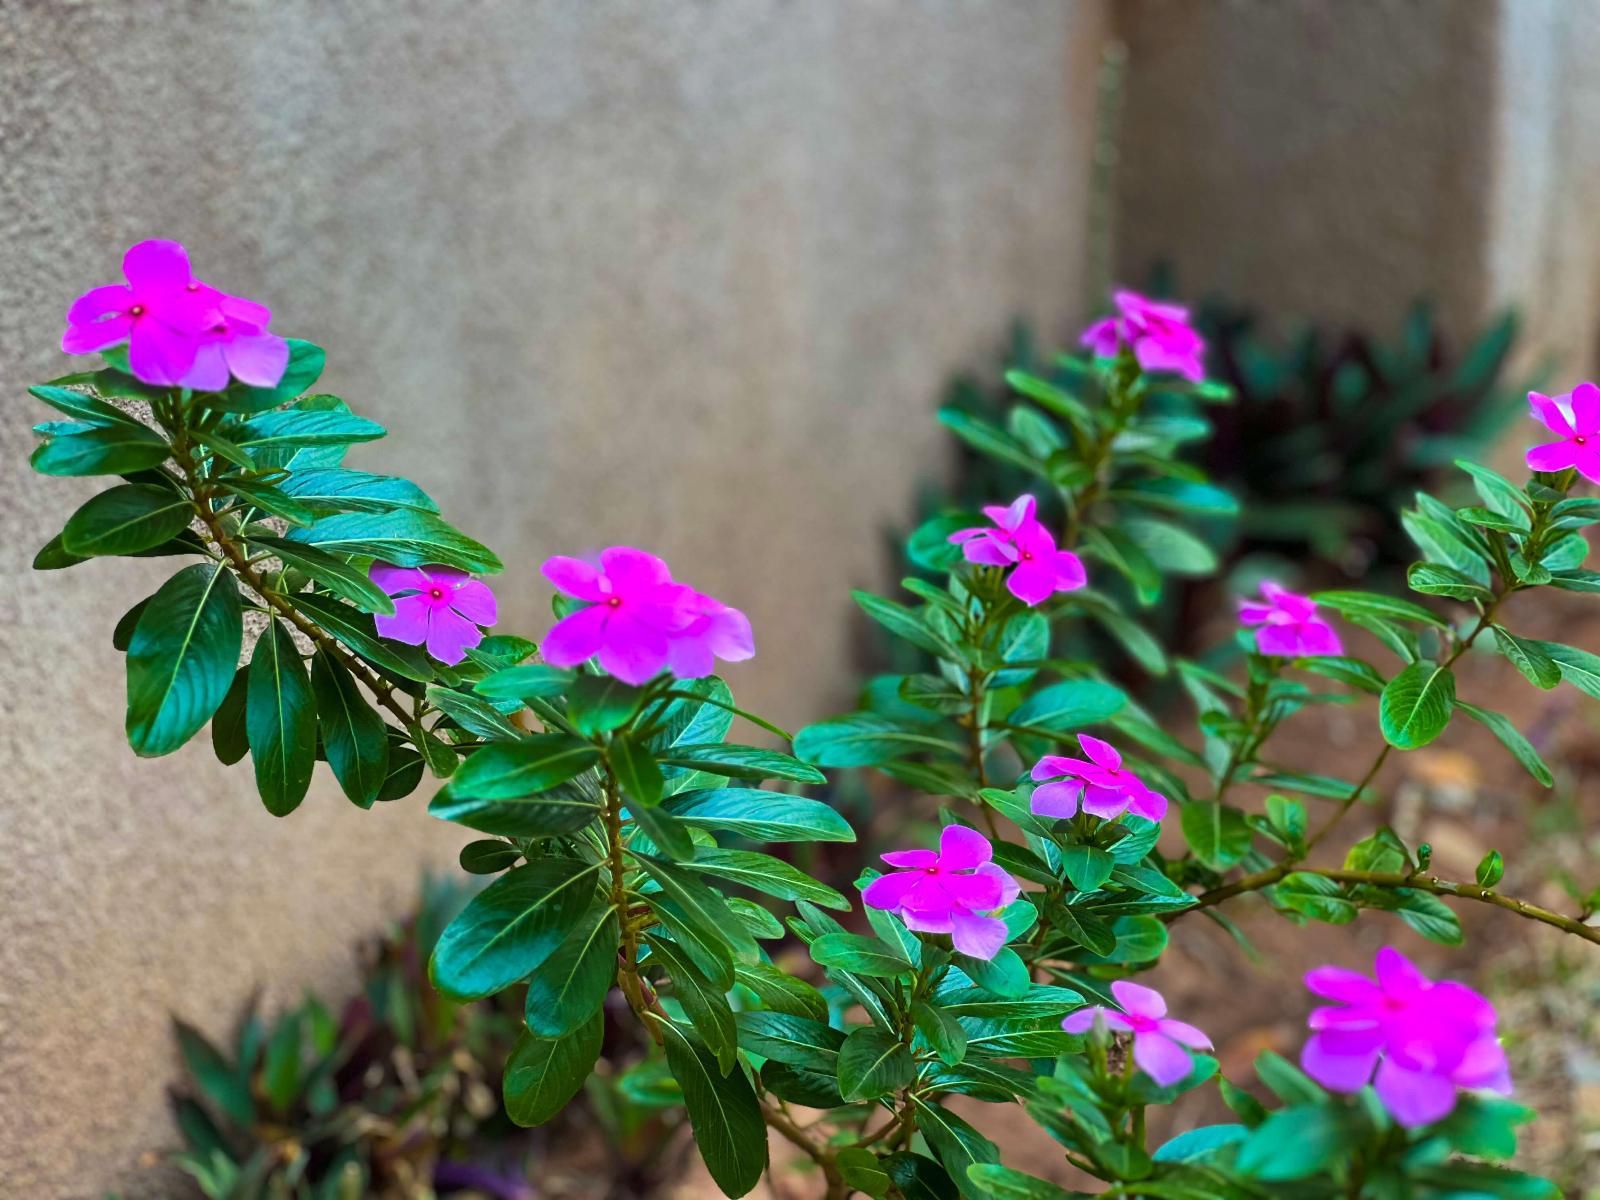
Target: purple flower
point(1575, 419)
point(639, 621)
point(439, 607)
point(1289, 625)
point(180, 331)
point(948, 892)
point(1020, 541)
point(1160, 335)
point(1425, 1039)
point(1158, 1040)
point(1100, 784)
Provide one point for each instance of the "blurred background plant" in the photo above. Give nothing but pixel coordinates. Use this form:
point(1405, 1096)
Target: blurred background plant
point(399, 1096)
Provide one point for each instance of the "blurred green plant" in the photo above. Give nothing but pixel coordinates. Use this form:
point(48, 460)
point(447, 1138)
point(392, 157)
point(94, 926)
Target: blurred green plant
point(398, 1096)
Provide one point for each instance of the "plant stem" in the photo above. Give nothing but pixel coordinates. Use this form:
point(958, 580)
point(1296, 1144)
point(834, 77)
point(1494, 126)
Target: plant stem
point(628, 956)
point(796, 1136)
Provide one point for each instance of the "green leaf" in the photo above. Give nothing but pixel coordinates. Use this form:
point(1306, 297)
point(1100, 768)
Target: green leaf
point(1536, 666)
point(861, 1170)
point(356, 630)
point(488, 856)
point(703, 1002)
point(81, 406)
point(1578, 667)
point(530, 681)
point(1491, 870)
point(269, 500)
point(512, 770)
point(1433, 579)
point(1172, 548)
point(723, 1113)
point(636, 771)
point(866, 740)
point(304, 369)
point(942, 1031)
point(669, 835)
point(1087, 867)
point(1197, 1145)
point(706, 911)
point(986, 439)
point(229, 740)
point(477, 717)
point(1217, 833)
point(860, 955)
point(1003, 1183)
point(764, 873)
point(511, 927)
point(1005, 974)
point(295, 427)
point(904, 623)
point(1067, 706)
point(563, 809)
point(337, 489)
point(1511, 737)
point(280, 1076)
point(742, 762)
point(281, 721)
point(873, 1063)
point(221, 1083)
point(1374, 605)
point(789, 1038)
point(1428, 915)
point(182, 657)
point(1353, 671)
point(958, 1145)
point(1295, 1143)
point(1416, 705)
point(781, 992)
point(598, 704)
point(761, 816)
point(544, 1074)
point(354, 737)
point(405, 537)
point(332, 572)
point(1287, 1081)
point(124, 520)
point(919, 1177)
point(102, 450)
point(53, 556)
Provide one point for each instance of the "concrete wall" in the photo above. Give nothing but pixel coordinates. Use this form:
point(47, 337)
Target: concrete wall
point(687, 275)
point(1337, 161)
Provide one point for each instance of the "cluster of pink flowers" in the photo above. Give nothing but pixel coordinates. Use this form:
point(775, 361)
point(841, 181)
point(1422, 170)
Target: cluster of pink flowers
point(1158, 1040)
point(1288, 625)
point(1160, 335)
point(180, 331)
point(437, 607)
point(638, 621)
point(1099, 783)
point(1575, 419)
point(954, 890)
point(1425, 1040)
point(1018, 540)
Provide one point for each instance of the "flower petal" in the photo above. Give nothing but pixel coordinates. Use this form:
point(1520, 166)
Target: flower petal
point(889, 891)
point(1161, 1058)
point(449, 635)
point(474, 600)
point(1585, 404)
point(579, 579)
point(394, 579)
point(1335, 1071)
point(409, 621)
point(1552, 456)
point(630, 568)
point(1101, 753)
point(978, 892)
point(1184, 1033)
point(689, 656)
point(1397, 974)
point(977, 937)
point(1318, 637)
point(210, 370)
point(632, 651)
point(1083, 1020)
point(1138, 1000)
point(575, 638)
point(1058, 799)
point(961, 848)
point(918, 859)
point(157, 265)
point(1414, 1098)
point(1032, 582)
point(1009, 888)
point(258, 359)
point(1347, 987)
point(159, 354)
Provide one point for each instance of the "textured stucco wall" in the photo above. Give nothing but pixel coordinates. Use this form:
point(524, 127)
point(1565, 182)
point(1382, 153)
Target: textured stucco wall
point(1331, 160)
point(683, 274)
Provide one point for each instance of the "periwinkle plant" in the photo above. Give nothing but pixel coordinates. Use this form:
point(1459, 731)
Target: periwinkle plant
point(625, 835)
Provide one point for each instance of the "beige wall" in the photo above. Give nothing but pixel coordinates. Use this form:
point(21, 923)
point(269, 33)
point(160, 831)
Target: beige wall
point(687, 275)
point(1338, 160)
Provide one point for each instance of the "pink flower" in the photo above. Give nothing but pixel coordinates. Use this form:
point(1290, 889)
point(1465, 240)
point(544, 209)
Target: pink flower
point(1104, 788)
point(1020, 541)
point(1158, 1040)
point(1426, 1039)
point(1160, 335)
point(439, 607)
point(639, 621)
point(1575, 419)
point(1289, 625)
point(949, 891)
point(180, 332)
